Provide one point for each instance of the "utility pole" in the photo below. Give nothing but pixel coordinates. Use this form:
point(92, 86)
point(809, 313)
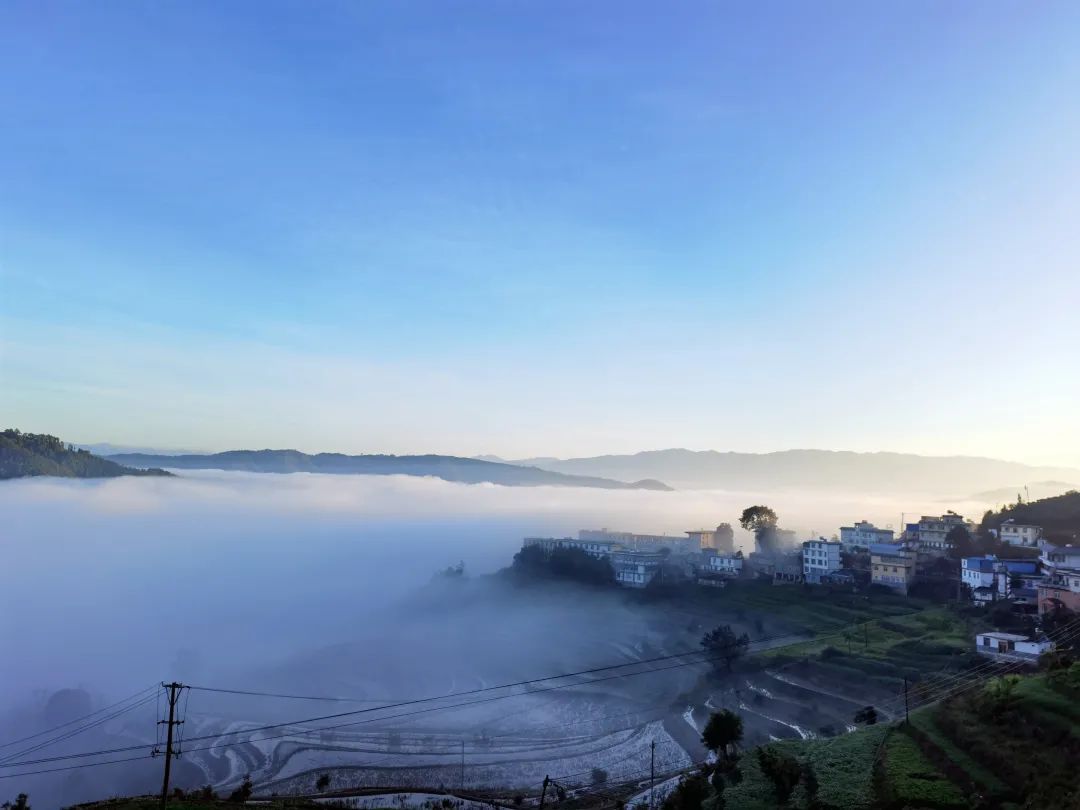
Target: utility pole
point(543, 793)
point(652, 774)
point(463, 764)
point(174, 695)
point(907, 717)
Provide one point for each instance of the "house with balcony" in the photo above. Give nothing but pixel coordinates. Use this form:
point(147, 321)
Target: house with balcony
point(1019, 534)
point(728, 565)
point(931, 531)
point(642, 542)
point(1011, 647)
point(862, 535)
point(990, 578)
point(594, 548)
point(1061, 589)
point(820, 559)
point(636, 569)
point(892, 565)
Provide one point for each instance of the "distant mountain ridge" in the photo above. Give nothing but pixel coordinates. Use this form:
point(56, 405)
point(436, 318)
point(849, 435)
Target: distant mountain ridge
point(809, 469)
point(24, 455)
point(448, 468)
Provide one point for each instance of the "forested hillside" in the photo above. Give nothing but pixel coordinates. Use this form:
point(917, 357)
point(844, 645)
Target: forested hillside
point(1059, 516)
point(29, 454)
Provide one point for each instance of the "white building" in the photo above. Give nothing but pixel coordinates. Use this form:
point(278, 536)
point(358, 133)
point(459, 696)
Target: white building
point(820, 558)
point(594, 548)
point(642, 542)
point(862, 534)
point(1019, 534)
point(1011, 647)
point(1054, 558)
point(636, 569)
point(730, 565)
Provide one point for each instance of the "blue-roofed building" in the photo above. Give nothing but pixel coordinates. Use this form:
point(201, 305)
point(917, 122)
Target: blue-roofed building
point(990, 578)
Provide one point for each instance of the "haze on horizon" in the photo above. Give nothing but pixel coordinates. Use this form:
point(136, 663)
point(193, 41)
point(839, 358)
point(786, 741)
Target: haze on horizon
point(542, 229)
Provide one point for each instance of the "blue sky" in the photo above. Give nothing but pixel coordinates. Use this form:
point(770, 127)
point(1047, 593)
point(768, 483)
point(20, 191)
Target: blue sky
point(542, 227)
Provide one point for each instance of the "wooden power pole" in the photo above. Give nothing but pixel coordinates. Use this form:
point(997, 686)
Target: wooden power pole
point(174, 690)
point(652, 774)
point(907, 716)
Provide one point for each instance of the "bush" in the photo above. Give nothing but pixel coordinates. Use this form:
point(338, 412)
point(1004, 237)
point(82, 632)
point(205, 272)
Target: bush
point(782, 770)
point(242, 793)
point(689, 794)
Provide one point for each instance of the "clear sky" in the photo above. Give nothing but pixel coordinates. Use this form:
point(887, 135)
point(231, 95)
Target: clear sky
point(533, 228)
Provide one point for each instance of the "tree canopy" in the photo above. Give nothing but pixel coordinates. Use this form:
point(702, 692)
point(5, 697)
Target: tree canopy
point(534, 563)
point(723, 731)
point(724, 646)
point(757, 518)
point(30, 454)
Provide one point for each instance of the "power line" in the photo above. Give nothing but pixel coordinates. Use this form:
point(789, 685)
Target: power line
point(7, 761)
point(78, 719)
point(416, 701)
point(269, 727)
point(72, 767)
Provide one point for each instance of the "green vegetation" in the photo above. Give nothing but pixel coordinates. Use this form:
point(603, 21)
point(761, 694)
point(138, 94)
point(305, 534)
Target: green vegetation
point(534, 564)
point(993, 746)
point(1059, 516)
point(30, 454)
point(842, 767)
point(724, 646)
point(722, 733)
point(911, 781)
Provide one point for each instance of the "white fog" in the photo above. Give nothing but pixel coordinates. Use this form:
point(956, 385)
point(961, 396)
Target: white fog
point(323, 585)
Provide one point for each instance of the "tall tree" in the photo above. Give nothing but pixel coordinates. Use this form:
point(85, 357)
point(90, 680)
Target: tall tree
point(756, 518)
point(723, 731)
point(724, 646)
point(960, 543)
point(762, 521)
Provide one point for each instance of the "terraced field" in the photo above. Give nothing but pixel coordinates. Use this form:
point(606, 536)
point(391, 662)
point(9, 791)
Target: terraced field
point(1012, 748)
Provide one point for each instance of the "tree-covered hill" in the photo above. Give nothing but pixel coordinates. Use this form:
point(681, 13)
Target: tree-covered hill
point(1059, 516)
point(29, 454)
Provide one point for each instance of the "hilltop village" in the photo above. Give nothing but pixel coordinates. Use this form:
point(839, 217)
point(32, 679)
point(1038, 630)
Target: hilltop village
point(1017, 571)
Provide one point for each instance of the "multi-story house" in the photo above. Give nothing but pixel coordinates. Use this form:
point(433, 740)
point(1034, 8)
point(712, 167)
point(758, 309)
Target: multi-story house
point(863, 534)
point(594, 548)
point(1019, 534)
point(642, 542)
point(990, 578)
point(932, 531)
point(1055, 557)
point(727, 564)
point(636, 569)
point(1061, 589)
point(820, 559)
point(892, 565)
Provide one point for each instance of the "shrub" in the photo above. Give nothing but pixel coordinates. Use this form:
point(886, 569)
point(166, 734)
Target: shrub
point(782, 770)
point(242, 793)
